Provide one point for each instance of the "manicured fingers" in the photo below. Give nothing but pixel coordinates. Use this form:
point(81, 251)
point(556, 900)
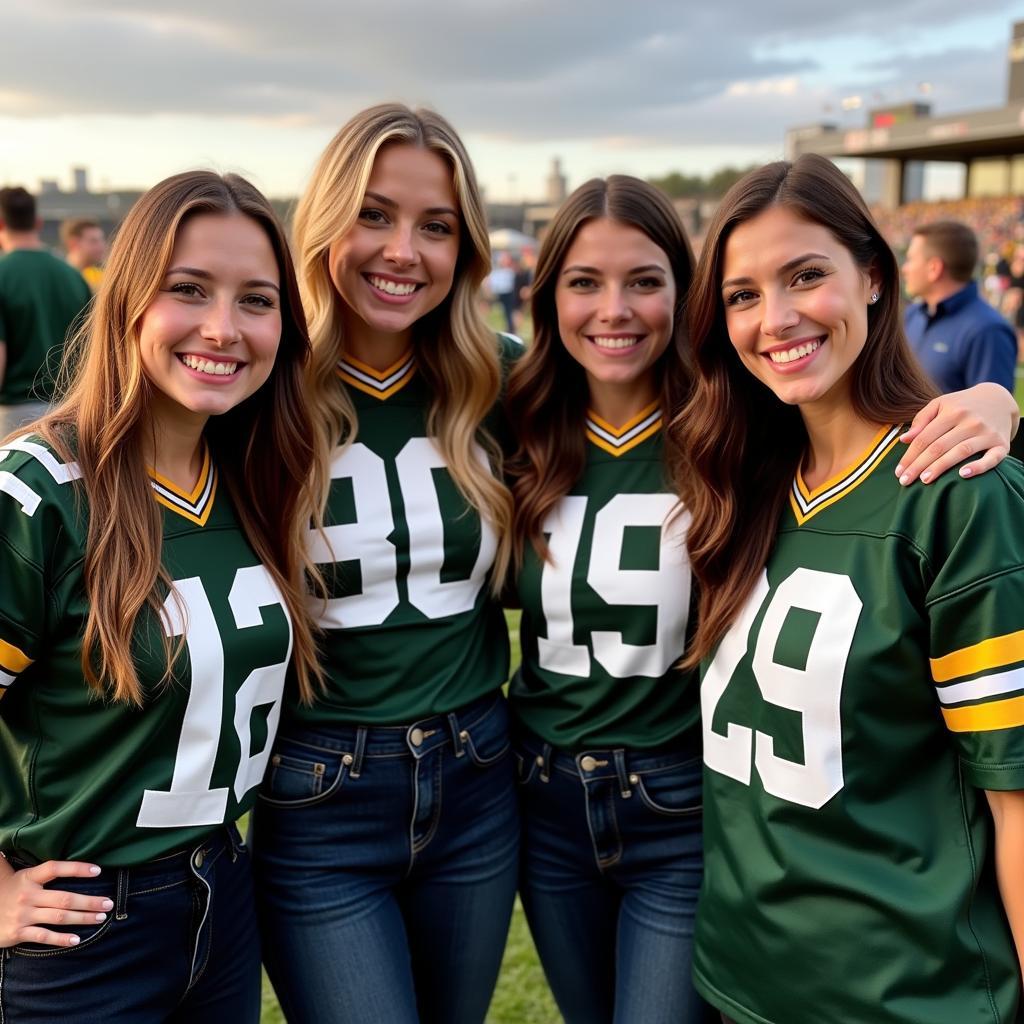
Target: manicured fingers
point(52, 869)
point(988, 461)
point(54, 899)
point(44, 937)
point(53, 915)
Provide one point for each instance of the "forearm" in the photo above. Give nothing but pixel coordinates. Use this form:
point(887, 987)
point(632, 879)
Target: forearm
point(1008, 815)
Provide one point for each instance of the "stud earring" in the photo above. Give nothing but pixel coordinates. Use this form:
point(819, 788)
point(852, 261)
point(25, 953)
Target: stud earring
point(874, 297)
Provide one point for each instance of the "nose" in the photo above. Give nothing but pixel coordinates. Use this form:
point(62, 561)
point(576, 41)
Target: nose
point(777, 314)
point(398, 247)
point(221, 326)
point(614, 306)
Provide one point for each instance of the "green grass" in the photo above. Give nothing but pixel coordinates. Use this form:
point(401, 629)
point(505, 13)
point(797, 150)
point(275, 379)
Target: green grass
point(522, 995)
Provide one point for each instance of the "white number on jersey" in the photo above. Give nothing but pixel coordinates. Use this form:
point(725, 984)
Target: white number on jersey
point(190, 800)
point(367, 539)
point(814, 691)
point(666, 588)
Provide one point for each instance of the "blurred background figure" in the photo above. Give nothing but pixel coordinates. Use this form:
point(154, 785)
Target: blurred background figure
point(524, 285)
point(41, 298)
point(959, 338)
point(501, 284)
point(85, 247)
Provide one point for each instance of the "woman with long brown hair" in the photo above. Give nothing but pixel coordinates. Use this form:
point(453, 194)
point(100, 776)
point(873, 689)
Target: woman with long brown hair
point(152, 552)
point(862, 643)
point(386, 835)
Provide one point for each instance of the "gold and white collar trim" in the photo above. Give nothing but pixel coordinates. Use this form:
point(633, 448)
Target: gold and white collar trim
point(194, 507)
point(806, 503)
point(619, 440)
point(379, 383)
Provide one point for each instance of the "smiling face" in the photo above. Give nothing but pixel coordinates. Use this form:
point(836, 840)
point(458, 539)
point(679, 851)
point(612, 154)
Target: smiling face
point(796, 306)
point(615, 298)
point(209, 338)
point(397, 261)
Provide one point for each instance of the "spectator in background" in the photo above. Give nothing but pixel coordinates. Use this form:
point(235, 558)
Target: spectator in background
point(86, 247)
point(959, 339)
point(501, 283)
point(524, 285)
point(40, 299)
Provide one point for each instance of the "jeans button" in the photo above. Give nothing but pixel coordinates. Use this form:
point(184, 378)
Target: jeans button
point(416, 737)
point(588, 763)
point(198, 859)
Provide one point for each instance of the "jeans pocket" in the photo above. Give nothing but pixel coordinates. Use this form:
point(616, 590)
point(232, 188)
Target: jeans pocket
point(487, 739)
point(300, 776)
point(674, 791)
point(88, 936)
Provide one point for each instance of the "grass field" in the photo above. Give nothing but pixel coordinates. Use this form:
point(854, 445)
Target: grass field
point(522, 995)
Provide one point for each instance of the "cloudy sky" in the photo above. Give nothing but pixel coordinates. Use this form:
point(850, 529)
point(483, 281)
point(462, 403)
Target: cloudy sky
point(136, 90)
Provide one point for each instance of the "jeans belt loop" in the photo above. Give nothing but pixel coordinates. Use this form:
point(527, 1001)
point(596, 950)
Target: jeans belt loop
point(359, 753)
point(459, 736)
point(621, 771)
point(545, 763)
point(121, 896)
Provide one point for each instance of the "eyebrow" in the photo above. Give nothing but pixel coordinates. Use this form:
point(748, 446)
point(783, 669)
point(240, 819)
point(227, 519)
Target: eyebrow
point(646, 269)
point(784, 269)
point(432, 210)
point(205, 275)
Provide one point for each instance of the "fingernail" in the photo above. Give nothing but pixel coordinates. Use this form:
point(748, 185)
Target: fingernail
point(926, 476)
point(93, 869)
point(101, 917)
point(107, 904)
point(899, 469)
point(905, 479)
point(73, 940)
point(966, 471)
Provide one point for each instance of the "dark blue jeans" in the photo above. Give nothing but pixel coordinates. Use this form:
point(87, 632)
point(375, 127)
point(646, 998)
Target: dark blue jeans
point(181, 946)
point(611, 871)
point(386, 862)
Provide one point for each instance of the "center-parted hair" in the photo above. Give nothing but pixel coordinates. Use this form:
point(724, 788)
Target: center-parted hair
point(262, 448)
point(547, 391)
point(456, 352)
point(735, 448)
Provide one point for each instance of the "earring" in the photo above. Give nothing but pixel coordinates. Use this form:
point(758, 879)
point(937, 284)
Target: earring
point(874, 297)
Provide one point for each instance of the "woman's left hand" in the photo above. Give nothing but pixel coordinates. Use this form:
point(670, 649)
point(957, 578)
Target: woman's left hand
point(956, 426)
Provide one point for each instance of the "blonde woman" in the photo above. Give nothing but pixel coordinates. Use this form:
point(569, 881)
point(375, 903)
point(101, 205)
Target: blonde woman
point(386, 834)
point(151, 553)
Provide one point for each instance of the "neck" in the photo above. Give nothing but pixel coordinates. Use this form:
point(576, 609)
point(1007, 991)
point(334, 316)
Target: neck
point(941, 290)
point(14, 240)
point(378, 349)
point(619, 403)
point(78, 261)
point(837, 436)
point(173, 444)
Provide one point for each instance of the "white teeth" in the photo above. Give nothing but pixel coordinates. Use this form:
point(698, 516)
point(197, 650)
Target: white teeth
point(392, 287)
point(789, 354)
point(209, 366)
point(603, 342)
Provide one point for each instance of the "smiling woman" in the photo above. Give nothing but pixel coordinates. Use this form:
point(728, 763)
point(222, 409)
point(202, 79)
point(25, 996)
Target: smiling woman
point(152, 606)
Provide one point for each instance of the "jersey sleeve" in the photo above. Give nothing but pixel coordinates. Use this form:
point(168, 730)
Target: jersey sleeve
point(976, 620)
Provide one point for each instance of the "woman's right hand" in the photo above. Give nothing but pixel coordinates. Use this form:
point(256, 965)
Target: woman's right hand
point(26, 907)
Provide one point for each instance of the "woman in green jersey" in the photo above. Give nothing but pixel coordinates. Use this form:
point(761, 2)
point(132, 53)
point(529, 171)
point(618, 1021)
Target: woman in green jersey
point(608, 731)
point(151, 551)
point(386, 835)
point(863, 692)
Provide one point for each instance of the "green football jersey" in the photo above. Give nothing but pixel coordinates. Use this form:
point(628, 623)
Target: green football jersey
point(82, 777)
point(410, 629)
point(871, 689)
point(605, 621)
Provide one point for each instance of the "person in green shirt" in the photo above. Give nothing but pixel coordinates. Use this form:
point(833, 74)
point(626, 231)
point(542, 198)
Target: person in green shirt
point(152, 605)
point(862, 643)
point(41, 302)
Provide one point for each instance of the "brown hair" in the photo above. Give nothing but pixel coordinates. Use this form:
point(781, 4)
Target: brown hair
point(734, 448)
point(262, 448)
point(953, 243)
point(456, 352)
point(75, 227)
point(547, 390)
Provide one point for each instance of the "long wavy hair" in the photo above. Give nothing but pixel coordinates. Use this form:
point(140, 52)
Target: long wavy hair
point(734, 447)
point(262, 448)
point(456, 352)
point(547, 390)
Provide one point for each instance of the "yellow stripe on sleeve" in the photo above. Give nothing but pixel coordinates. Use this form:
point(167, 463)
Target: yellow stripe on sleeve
point(997, 714)
point(989, 654)
point(13, 660)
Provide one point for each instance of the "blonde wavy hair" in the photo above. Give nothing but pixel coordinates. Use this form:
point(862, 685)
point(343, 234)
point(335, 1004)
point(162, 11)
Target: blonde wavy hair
point(456, 352)
point(262, 447)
